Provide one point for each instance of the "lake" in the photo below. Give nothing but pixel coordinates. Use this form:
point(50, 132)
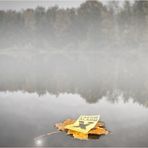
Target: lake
point(25, 116)
point(37, 92)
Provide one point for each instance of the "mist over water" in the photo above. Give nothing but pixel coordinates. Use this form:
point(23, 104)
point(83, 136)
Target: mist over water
point(58, 63)
point(92, 75)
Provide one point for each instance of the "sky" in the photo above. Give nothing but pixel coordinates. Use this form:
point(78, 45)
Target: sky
point(23, 4)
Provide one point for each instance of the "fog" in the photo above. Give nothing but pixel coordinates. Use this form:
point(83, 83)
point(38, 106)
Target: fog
point(94, 47)
point(20, 5)
point(92, 51)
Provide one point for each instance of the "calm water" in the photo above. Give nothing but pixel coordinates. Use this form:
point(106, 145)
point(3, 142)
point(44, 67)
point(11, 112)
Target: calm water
point(37, 91)
point(24, 116)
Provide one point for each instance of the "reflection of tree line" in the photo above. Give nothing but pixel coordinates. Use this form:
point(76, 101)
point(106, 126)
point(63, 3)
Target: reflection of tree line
point(114, 38)
point(92, 78)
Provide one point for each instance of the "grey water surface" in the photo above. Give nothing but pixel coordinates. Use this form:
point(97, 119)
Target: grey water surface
point(36, 93)
point(24, 116)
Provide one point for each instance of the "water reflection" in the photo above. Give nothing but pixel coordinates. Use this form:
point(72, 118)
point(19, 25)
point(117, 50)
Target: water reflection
point(92, 75)
point(91, 94)
point(25, 116)
point(39, 142)
point(36, 91)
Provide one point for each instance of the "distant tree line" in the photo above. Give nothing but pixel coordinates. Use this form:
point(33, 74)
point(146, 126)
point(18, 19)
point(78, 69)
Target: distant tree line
point(92, 26)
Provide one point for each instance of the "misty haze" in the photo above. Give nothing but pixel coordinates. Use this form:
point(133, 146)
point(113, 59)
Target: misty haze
point(58, 63)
